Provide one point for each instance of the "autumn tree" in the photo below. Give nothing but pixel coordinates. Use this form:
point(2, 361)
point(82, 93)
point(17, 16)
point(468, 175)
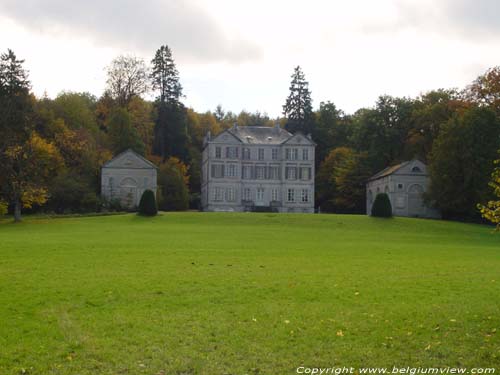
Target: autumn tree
point(170, 133)
point(27, 170)
point(491, 211)
point(485, 90)
point(122, 134)
point(127, 77)
point(298, 105)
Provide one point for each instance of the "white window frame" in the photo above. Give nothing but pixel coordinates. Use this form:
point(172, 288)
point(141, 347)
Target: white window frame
point(305, 196)
point(218, 152)
point(247, 194)
point(274, 153)
point(260, 172)
point(261, 154)
point(218, 194)
point(305, 154)
point(232, 170)
point(246, 155)
point(290, 195)
point(275, 194)
point(259, 197)
point(230, 194)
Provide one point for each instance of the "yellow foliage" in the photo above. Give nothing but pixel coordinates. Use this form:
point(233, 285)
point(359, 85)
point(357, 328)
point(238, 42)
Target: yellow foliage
point(491, 211)
point(3, 207)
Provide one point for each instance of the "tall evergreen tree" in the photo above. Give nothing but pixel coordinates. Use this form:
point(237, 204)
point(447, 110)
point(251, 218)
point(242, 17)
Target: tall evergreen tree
point(298, 106)
point(15, 102)
point(171, 120)
point(165, 76)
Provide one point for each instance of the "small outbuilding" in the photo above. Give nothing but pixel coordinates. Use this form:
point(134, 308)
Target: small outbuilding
point(405, 184)
point(126, 177)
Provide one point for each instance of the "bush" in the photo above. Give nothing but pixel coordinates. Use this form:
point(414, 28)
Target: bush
point(382, 206)
point(147, 205)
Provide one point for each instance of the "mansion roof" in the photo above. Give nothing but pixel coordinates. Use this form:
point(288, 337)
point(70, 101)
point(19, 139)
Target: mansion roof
point(260, 134)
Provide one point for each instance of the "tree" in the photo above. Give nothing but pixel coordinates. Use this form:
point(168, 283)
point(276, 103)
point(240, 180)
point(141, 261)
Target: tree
point(298, 106)
point(173, 184)
point(16, 105)
point(485, 90)
point(491, 211)
point(77, 110)
point(165, 76)
point(147, 204)
point(170, 133)
point(127, 77)
point(461, 160)
point(28, 169)
point(381, 206)
point(331, 130)
point(326, 188)
point(121, 133)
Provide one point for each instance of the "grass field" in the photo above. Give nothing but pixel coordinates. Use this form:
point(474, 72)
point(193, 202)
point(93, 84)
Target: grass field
point(192, 293)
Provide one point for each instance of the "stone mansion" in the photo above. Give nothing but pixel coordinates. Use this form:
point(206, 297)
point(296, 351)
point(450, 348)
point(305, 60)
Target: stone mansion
point(255, 168)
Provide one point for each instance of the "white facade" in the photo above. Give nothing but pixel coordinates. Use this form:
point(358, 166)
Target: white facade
point(258, 168)
point(405, 184)
point(126, 177)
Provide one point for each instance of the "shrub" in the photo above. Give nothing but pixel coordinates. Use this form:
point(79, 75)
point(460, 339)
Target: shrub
point(147, 205)
point(382, 206)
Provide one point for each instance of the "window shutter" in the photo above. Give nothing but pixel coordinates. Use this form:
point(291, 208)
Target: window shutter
point(212, 170)
point(222, 167)
point(300, 173)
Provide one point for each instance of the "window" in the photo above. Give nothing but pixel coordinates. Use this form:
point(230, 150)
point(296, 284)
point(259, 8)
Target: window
point(218, 153)
point(247, 194)
point(400, 186)
point(217, 170)
point(246, 172)
point(260, 172)
point(416, 170)
point(291, 195)
point(274, 173)
point(288, 154)
point(230, 194)
point(291, 173)
point(275, 194)
point(232, 152)
point(274, 153)
point(260, 194)
point(305, 154)
point(261, 154)
point(305, 173)
point(217, 194)
point(246, 154)
point(232, 170)
point(295, 154)
point(305, 195)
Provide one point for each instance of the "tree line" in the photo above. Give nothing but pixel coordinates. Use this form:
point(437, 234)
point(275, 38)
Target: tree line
point(51, 150)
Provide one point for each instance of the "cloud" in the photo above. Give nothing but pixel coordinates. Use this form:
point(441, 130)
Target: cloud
point(134, 25)
point(466, 19)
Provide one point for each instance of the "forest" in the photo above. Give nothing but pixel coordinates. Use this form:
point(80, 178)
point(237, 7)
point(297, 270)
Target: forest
point(51, 149)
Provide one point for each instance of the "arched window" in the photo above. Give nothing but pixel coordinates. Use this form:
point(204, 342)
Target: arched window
point(416, 170)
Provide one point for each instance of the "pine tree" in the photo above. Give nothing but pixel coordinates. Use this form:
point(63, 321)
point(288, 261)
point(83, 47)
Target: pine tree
point(171, 120)
point(298, 106)
point(165, 76)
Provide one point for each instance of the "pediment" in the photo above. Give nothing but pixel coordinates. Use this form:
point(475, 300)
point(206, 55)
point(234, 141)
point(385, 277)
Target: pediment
point(129, 160)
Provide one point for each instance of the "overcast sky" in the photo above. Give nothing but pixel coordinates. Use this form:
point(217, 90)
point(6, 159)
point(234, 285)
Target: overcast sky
point(240, 54)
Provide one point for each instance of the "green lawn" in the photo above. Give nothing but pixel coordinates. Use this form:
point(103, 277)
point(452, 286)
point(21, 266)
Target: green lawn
point(193, 293)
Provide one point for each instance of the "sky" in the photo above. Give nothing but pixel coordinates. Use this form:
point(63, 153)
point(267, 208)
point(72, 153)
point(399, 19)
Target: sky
point(241, 54)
